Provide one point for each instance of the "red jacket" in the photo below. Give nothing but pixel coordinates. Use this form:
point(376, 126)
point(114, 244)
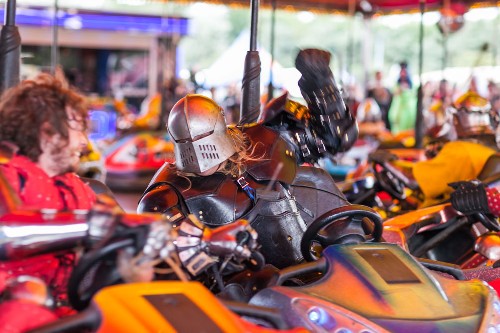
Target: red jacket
point(37, 190)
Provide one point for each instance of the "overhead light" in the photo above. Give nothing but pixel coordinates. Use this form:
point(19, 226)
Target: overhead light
point(305, 17)
point(365, 6)
point(94, 4)
point(131, 2)
point(73, 23)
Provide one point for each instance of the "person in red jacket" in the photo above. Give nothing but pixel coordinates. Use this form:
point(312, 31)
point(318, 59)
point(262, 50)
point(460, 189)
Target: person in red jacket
point(44, 123)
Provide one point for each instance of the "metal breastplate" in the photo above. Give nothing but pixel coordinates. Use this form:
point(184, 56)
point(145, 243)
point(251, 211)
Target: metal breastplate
point(279, 224)
point(274, 216)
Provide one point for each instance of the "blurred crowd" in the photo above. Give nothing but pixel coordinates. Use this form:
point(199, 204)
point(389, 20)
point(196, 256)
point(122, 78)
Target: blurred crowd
point(386, 107)
point(392, 108)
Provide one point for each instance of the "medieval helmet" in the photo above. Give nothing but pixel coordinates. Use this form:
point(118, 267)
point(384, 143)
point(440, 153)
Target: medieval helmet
point(197, 125)
point(368, 111)
point(471, 115)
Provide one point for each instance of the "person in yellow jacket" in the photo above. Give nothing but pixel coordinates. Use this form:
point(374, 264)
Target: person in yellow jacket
point(459, 160)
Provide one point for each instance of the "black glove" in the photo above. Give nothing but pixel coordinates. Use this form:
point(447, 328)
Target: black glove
point(469, 197)
point(318, 86)
point(332, 125)
point(314, 65)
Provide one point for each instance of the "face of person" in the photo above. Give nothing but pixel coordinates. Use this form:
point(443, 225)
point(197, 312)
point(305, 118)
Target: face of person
point(403, 73)
point(59, 158)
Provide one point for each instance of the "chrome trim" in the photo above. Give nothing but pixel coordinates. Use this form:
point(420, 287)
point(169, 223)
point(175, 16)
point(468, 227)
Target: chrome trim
point(20, 241)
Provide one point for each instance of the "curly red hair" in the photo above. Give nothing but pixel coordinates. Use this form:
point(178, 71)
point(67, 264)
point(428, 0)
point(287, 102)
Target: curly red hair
point(38, 106)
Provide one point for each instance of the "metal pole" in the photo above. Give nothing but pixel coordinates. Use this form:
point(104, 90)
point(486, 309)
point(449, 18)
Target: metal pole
point(10, 49)
point(54, 52)
point(164, 81)
point(495, 52)
point(10, 13)
point(253, 24)
point(270, 88)
point(445, 51)
point(421, 41)
point(419, 123)
point(250, 87)
point(350, 36)
point(446, 32)
point(367, 52)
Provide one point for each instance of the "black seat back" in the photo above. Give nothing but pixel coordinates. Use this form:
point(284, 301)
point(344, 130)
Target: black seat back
point(490, 169)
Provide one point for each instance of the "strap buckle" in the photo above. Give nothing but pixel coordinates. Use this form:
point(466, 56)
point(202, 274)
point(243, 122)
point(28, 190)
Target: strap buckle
point(242, 182)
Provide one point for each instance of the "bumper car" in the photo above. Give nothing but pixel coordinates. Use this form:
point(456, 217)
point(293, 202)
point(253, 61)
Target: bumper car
point(394, 184)
point(439, 233)
point(181, 307)
point(366, 287)
point(394, 293)
point(401, 180)
point(133, 160)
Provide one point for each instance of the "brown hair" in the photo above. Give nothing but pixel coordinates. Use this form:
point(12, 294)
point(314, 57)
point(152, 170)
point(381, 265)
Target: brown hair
point(38, 106)
point(245, 151)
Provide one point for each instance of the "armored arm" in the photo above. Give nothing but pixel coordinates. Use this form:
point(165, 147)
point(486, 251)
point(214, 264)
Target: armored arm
point(333, 128)
point(324, 127)
point(163, 198)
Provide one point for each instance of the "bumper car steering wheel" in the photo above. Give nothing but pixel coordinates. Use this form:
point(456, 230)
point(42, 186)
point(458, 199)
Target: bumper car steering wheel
point(389, 182)
point(346, 224)
point(95, 270)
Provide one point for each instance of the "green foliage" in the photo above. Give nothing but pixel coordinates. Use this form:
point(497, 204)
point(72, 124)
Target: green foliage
point(239, 20)
point(209, 37)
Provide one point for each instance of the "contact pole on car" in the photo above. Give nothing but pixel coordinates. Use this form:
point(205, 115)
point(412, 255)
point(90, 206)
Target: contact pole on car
point(10, 49)
point(419, 123)
point(250, 89)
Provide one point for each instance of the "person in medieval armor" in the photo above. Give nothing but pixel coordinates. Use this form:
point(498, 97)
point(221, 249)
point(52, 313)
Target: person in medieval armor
point(260, 172)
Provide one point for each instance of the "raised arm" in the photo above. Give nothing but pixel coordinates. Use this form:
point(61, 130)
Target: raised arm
point(325, 126)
